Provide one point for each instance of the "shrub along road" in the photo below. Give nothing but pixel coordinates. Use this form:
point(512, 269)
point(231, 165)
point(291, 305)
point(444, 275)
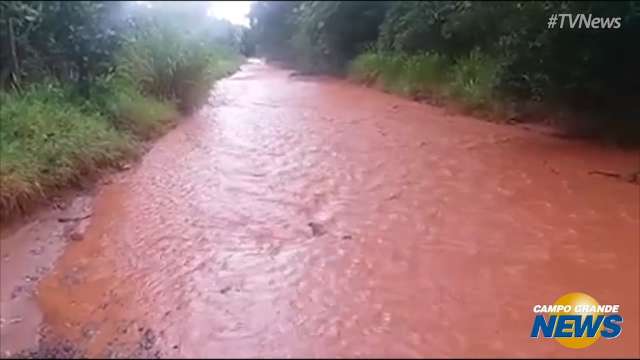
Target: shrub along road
point(302, 216)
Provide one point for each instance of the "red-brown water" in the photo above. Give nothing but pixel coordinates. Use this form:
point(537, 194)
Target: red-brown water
point(300, 216)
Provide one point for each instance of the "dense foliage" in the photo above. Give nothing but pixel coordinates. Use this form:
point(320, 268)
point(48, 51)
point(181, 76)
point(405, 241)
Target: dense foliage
point(79, 41)
point(83, 82)
point(574, 64)
point(317, 35)
point(72, 42)
point(485, 51)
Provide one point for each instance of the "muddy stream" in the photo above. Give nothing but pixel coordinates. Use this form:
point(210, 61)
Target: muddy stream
point(305, 216)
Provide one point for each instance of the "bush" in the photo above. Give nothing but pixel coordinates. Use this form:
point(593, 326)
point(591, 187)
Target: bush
point(474, 79)
point(119, 77)
point(425, 74)
point(173, 66)
point(128, 110)
point(316, 36)
point(47, 141)
point(366, 67)
point(51, 135)
point(415, 26)
point(471, 79)
point(573, 70)
point(422, 74)
point(384, 69)
point(145, 117)
point(392, 71)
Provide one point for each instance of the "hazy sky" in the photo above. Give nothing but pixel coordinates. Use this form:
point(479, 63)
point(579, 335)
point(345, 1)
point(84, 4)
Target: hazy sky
point(234, 11)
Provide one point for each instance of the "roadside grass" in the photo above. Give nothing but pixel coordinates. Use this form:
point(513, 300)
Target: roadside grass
point(366, 67)
point(425, 74)
point(47, 141)
point(51, 137)
point(144, 117)
point(173, 67)
point(471, 84)
point(469, 80)
point(474, 79)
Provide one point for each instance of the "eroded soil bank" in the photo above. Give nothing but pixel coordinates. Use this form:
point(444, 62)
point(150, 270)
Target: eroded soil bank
point(304, 216)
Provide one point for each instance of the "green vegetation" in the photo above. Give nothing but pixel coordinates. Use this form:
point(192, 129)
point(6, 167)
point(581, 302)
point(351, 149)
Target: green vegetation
point(474, 78)
point(315, 35)
point(425, 74)
point(413, 75)
point(471, 79)
point(128, 110)
point(172, 67)
point(47, 141)
point(83, 83)
point(486, 54)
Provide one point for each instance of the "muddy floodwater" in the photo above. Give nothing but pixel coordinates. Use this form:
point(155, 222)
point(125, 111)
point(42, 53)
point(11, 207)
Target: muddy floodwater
point(305, 216)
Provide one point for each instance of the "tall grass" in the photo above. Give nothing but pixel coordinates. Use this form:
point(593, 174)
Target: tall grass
point(425, 74)
point(474, 79)
point(51, 137)
point(176, 67)
point(48, 141)
point(130, 111)
point(384, 69)
point(366, 67)
point(471, 79)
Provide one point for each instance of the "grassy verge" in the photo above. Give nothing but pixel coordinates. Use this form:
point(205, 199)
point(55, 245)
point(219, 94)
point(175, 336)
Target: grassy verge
point(472, 84)
point(51, 138)
point(470, 80)
point(47, 141)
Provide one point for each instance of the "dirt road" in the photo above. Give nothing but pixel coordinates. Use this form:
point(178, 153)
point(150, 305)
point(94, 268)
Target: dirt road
point(303, 216)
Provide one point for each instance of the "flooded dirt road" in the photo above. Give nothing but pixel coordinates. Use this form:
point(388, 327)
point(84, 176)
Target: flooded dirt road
point(301, 216)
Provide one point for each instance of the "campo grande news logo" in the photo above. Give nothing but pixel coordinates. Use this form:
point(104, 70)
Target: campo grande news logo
point(576, 320)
